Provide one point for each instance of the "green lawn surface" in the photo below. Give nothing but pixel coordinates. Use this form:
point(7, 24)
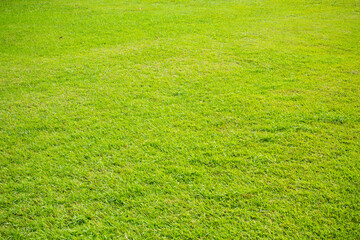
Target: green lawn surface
point(182, 119)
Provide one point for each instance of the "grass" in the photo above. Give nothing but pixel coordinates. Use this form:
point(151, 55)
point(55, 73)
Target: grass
point(179, 119)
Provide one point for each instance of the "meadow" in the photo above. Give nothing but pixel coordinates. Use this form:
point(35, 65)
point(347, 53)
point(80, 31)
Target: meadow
point(179, 119)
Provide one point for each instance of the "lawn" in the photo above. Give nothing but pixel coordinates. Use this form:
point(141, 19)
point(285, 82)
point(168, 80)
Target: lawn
point(180, 119)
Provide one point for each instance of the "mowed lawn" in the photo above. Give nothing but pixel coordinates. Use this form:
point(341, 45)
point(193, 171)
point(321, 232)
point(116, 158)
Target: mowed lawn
point(182, 119)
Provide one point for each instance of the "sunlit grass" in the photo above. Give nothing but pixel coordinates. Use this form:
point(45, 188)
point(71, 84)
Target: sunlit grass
point(179, 119)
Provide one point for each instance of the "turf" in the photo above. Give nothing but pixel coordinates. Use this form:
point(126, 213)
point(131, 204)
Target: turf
point(182, 119)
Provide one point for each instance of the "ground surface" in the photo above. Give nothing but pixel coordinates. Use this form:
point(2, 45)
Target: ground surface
point(179, 119)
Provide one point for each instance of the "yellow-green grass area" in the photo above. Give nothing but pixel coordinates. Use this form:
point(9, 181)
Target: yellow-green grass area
point(182, 119)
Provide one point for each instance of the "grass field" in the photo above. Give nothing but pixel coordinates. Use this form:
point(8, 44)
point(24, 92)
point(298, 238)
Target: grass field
point(182, 119)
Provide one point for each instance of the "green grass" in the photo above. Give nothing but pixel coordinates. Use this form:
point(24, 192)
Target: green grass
point(206, 119)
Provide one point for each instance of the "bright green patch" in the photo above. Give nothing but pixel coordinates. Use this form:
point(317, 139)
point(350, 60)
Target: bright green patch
point(181, 119)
